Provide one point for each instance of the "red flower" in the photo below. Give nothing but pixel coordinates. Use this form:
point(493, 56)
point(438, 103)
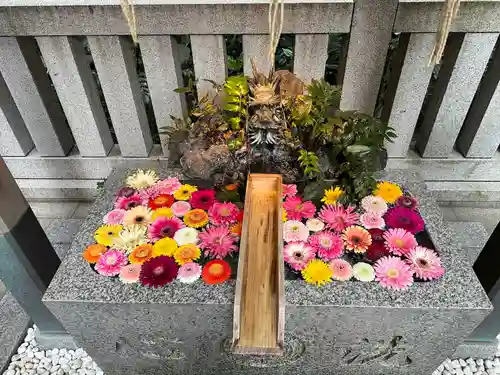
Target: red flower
point(239, 217)
point(162, 200)
point(296, 209)
point(158, 271)
point(377, 249)
point(216, 272)
point(203, 199)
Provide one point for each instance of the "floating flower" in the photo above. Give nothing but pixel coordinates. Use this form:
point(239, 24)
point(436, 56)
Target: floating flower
point(93, 252)
point(149, 194)
point(186, 235)
point(363, 272)
point(337, 218)
point(357, 239)
point(231, 187)
point(162, 200)
point(399, 241)
point(139, 215)
point(162, 212)
point(111, 262)
point(114, 217)
point(130, 273)
point(284, 215)
point(239, 217)
point(371, 220)
point(196, 218)
point(164, 227)
point(130, 237)
point(407, 201)
point(166, 246)
point(332, 195)
point(298, 254)
point(180, 208)
point(315, 225)
point(158, 271)
point(388, 191)
point(141, 254)
point(374, 204)
point(342, 270)
point(425, 263)
point(218, 242)
point(377, 249)
point(223, 213)
point(168, 186)
point(289, 190)
point(317, 272)
point(393, 272)
point(216, 272)
point(126, 203)
point(203, 199)
point(187, 253)
point(189, 273)
point(126, 191)
point(184, 192)
point(294, 230)
point(105, 234)
point(236, 229)
point(142, 179)
point(296, 209)
point(406, 218)
point(327, 244)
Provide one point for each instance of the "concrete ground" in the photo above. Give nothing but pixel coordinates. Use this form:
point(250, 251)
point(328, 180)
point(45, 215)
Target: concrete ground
point(489, 217)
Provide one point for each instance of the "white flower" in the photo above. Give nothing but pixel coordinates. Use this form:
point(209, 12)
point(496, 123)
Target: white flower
point(186, 236)
point(142, 179)
point(130, 237)
point(294, 230)
point(138, 215)
point(189, 273)
point(374, 204)
point(363, 272)
point(315, 225)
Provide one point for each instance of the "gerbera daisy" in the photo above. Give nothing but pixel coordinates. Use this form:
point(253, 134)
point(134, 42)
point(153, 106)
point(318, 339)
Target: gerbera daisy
point(406, 218)
point(327, 244)
point(377, 249)
point(189, 273)
point(296, 209)
point(407, 201)
point(363, 272)
point(393, 272)
point(164, 211)
point(223, 213)
point(114, 217)
point(164, 227)
point(158, 271)
point(111, 262)
point(142, 179)
point(130, 237)
point(294, 230)
point(332, 195)
point(425, 263)
point(399, 241)
point(298, 254)
point(184, 192)
point(125, 191)
point(317, 272)
point(162, 200)
point(168, 186)
point(126, 203)
point(231, 187)
point(284, 215)
point(374, 204)
point(180, 208)
point(289, 190)
point(388, 191)
point(93, 252)
point(105, 234)
point(216, 272)
point(342, 270)
point(130, 273)
point(203, 199)
point(371, 220)
point(186, 235)
point(141, 254)
point(357, 239)
point(236, 229)
point(315, 225)
point(337, 218)
point(196, 218)
point(166, 246)
point(218, 242)
point(139, 215)
point(148, 194)
point(187, 253)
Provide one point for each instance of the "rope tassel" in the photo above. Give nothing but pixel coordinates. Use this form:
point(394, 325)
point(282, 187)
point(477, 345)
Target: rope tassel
point(448, 15)
point(129, 13)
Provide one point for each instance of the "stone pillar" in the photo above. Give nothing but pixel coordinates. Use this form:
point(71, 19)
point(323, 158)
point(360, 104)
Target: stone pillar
point(27, 260)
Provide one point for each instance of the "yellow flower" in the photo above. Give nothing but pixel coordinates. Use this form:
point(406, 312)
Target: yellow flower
point(138, 215)
point(284, 215)
point(332, 195)
point(166, 246)
point(142, 179)
point(162, 211)
point(184, 193)
point(107, 233)
point(187, 253)
point(317, 272)
point(196, 218)
point(388, 191)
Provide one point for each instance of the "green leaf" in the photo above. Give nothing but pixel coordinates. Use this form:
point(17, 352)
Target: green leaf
point(182, 90)
point(231, 107)
point(358, 149)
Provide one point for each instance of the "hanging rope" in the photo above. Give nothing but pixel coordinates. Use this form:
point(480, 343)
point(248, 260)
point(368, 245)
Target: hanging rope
point(129, 13)
point(275, 27)
point(450, 11)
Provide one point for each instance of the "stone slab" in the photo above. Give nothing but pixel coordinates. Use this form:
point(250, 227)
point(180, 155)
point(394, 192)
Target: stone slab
point(490, 217)
point(256, 47)
point(471, 236)
point(310, 55)
point(63, 230)
point(476, 350)
point(82, 210)
point(53, 209)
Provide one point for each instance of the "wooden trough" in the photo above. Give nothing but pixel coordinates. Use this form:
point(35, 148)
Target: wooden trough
point(259, 306)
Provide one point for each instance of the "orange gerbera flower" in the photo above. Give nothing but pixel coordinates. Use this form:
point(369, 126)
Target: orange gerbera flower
point(196, 218)
point(92, 253)
point(357, 239)
point(216, 272)
point(141, 254)
point(163, 200)
point(231, 187)
point(187, 253)
point(236, 229)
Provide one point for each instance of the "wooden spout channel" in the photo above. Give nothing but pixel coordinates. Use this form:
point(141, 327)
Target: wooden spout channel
point(259, 308)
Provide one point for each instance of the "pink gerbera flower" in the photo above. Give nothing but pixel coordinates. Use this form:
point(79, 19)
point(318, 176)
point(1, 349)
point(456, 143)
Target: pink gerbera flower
point(371, 220)
point(399, 241)
point(289, 190)
point(342, 270)
point(393, 272)
point(111, 262)
point(114, 217)
point(223, 213)
point(218, 242)
point(126, 203)
point(294, 231)
point(149, 193)
point(338, 218)
point(164, 227)
point(298, 254)
point(296, 209)
point(425, 263)
point(406, 218)
point(168, 186)
point(374, 204)
point(203, 199)
point(327, 244)
point(180, 208)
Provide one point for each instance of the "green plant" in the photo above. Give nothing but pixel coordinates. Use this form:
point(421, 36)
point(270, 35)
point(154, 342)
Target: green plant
point(236, 100)
point(309, 163)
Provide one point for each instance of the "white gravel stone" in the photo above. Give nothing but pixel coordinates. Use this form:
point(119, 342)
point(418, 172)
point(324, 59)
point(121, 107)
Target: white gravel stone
point(488, 363)
point(459, 371)
point(479, 361)
point(467, 371)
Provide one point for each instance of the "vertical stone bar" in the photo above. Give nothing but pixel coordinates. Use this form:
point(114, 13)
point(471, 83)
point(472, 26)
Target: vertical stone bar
point(25, 75)
point(368, 45)
point(256, 47)
point(163, 69)
point(311, 53)
point(115, 63)
point(209, 59)
point(410, 92)
point(69, 69)
point(450, 102)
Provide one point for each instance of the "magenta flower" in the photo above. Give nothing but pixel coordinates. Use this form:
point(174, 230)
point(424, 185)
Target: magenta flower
point(218, 242)
point(407, 201)
point(223, 213)
point(399, 241)
point(114, 217)
point(203, 199)
point(338, 218)
point(406, 218)
point(425, 263)
point(164, 227)
point(298, 254)
point(125, 191)
point(296, 209)
point(126, 203)
point(111, 262)
point(289, 190)
point(393, 272)
point(327, 244)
